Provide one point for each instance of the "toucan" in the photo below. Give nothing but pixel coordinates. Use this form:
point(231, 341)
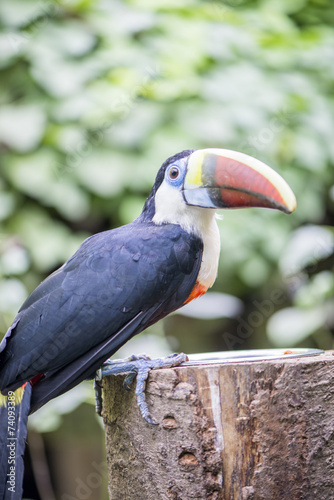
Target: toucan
point(121, 281)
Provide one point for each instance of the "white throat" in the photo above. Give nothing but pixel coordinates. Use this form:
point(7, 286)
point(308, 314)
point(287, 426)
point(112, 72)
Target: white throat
point(170, 207)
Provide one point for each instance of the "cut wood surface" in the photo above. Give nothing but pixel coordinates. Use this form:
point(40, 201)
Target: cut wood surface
point(245, 431)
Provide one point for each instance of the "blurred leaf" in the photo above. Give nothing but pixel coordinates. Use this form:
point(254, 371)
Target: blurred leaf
point(7, 204)
point(288, 327)
point(130, 208)
point(100, 172)
point(307, 245)
point(318, 289)
point(14, 260)
point(213, 305)
point(19, 12)
point(48, 242)
point(35, 176)
point(72, 37)
point(22, 127)
point(49, 418)
point(12, 294)
point(255, 271)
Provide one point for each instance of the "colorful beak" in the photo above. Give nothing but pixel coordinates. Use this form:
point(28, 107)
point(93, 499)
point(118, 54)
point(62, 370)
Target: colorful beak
point(220, 178)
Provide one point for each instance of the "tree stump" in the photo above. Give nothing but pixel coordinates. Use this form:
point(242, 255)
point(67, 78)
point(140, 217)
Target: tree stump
point(235, 431)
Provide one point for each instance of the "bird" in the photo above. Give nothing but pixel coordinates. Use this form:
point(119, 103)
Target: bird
point(121, 281)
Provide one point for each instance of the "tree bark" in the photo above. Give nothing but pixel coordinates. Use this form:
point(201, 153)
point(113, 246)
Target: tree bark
point(255, 430)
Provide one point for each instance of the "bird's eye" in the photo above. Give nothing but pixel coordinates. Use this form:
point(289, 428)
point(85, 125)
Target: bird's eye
point(174, 172)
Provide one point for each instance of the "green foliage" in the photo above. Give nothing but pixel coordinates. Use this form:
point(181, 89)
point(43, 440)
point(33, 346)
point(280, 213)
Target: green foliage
point(96, 94)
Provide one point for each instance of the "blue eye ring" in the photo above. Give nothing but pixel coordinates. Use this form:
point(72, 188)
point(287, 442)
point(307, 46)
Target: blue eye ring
point(173, 172)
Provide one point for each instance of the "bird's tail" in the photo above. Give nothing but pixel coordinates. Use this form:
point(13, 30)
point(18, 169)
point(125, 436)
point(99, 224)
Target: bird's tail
point(14, 410)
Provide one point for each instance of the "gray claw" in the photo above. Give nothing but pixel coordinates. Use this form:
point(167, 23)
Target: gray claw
point(135, 366)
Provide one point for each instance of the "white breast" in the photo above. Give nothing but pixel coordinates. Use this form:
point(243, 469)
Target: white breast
point(211, 251)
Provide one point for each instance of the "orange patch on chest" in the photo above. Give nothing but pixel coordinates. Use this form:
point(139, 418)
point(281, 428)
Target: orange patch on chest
point(197, 291)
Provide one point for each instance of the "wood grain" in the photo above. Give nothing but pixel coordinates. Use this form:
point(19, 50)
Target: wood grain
point(237, 431)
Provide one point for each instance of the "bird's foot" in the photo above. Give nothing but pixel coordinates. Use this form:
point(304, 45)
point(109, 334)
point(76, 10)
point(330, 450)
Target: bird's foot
point(135, 367)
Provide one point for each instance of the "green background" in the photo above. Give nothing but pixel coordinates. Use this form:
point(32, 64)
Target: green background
point(95, 95)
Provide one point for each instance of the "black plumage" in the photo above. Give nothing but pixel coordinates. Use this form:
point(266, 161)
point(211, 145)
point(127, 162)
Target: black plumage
point(117, 284)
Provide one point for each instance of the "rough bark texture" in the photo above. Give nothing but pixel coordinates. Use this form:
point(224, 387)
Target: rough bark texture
point(243, 431)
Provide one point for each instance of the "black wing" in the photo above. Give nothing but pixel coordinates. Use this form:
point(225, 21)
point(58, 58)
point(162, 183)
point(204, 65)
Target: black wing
point(118, 283)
